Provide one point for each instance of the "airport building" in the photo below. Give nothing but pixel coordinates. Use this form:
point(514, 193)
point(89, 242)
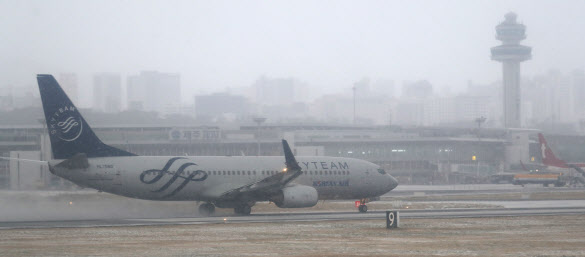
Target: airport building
point(417, 155)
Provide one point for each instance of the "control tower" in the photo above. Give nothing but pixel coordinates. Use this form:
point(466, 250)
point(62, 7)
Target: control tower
point(511, 53)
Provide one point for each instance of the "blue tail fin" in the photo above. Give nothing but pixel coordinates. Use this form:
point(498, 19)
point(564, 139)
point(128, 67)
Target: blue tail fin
point(68, 131)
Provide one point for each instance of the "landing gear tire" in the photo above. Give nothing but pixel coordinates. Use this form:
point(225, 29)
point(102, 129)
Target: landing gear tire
point(363, 208)
point(206, 209)
point(243, 210)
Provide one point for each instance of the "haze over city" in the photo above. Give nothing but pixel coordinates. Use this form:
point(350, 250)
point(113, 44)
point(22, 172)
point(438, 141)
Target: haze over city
point(292, 127)
point(329, 45)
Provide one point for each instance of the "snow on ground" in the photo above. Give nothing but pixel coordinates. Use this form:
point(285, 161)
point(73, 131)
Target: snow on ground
point(511, 236)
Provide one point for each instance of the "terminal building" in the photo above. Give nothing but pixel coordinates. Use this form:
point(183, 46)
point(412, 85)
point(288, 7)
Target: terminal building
point(417, 155)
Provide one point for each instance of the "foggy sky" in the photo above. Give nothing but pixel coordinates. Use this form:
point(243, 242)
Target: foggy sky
point(328, 44)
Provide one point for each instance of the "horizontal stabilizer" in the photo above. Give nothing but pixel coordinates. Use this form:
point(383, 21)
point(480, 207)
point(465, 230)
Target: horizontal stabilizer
point(78, 161)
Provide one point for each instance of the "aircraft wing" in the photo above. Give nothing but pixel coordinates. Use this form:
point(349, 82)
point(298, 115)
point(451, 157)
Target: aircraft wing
point(263, 189)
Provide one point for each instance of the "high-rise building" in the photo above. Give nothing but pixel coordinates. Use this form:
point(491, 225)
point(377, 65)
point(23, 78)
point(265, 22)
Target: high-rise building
point(417, 90)
point(555, 97)
point(578, 83)
point(68, 82)
point(511, 53)
point(218, 106)
point(154, 91)
point(107, 92)
point(272, 91)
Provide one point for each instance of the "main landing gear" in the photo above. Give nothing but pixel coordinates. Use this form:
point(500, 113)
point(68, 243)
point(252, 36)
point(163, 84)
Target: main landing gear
point(362, 206)
point(206, 209)
point(243, 210)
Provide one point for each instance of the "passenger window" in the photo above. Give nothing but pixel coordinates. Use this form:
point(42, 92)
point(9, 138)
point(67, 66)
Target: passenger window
point(248, 173)
point(320, 172)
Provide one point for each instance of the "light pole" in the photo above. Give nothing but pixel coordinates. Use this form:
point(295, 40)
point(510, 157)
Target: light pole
point(42, 149)
point(258, 120)
point(354, 89)
point(479, 121)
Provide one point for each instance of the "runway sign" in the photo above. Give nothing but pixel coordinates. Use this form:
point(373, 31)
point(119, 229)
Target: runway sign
point(392, 219)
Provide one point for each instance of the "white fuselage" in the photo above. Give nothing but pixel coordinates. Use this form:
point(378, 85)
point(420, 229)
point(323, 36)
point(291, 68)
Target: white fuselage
point(206, 178)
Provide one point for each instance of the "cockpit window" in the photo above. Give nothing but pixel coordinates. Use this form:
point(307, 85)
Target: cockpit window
point(381, 171)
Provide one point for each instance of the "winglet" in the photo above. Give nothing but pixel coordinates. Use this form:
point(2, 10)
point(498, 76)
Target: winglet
point(291, 162)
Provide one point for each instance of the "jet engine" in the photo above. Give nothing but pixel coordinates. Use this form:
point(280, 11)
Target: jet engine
point(296, 196)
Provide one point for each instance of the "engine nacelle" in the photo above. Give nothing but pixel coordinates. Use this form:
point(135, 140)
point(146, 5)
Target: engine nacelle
point(296, 196)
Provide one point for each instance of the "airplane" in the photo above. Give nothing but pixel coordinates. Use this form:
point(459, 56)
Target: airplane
point(549, 158)
point(236, 182)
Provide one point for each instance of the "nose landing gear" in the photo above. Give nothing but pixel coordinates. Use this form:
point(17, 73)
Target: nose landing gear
point(361, 204)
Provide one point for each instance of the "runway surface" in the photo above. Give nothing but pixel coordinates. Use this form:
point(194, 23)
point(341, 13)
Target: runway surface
point(90, 209)
point(467, 220)
point(296, 217)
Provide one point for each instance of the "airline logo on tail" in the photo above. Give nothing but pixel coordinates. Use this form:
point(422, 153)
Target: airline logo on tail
point(548, 157)
point(66, 124)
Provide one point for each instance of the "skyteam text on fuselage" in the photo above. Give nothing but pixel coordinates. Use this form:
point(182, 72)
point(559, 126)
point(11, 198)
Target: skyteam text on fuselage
point(222, 181)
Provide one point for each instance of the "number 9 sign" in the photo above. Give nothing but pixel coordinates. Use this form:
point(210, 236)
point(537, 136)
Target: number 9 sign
point(392, 219)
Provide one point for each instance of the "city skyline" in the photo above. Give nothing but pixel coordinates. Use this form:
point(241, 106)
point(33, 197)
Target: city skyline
point(328, 45)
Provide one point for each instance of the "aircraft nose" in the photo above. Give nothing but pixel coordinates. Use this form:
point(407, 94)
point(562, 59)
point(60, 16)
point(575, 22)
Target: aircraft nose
point(392, 183)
